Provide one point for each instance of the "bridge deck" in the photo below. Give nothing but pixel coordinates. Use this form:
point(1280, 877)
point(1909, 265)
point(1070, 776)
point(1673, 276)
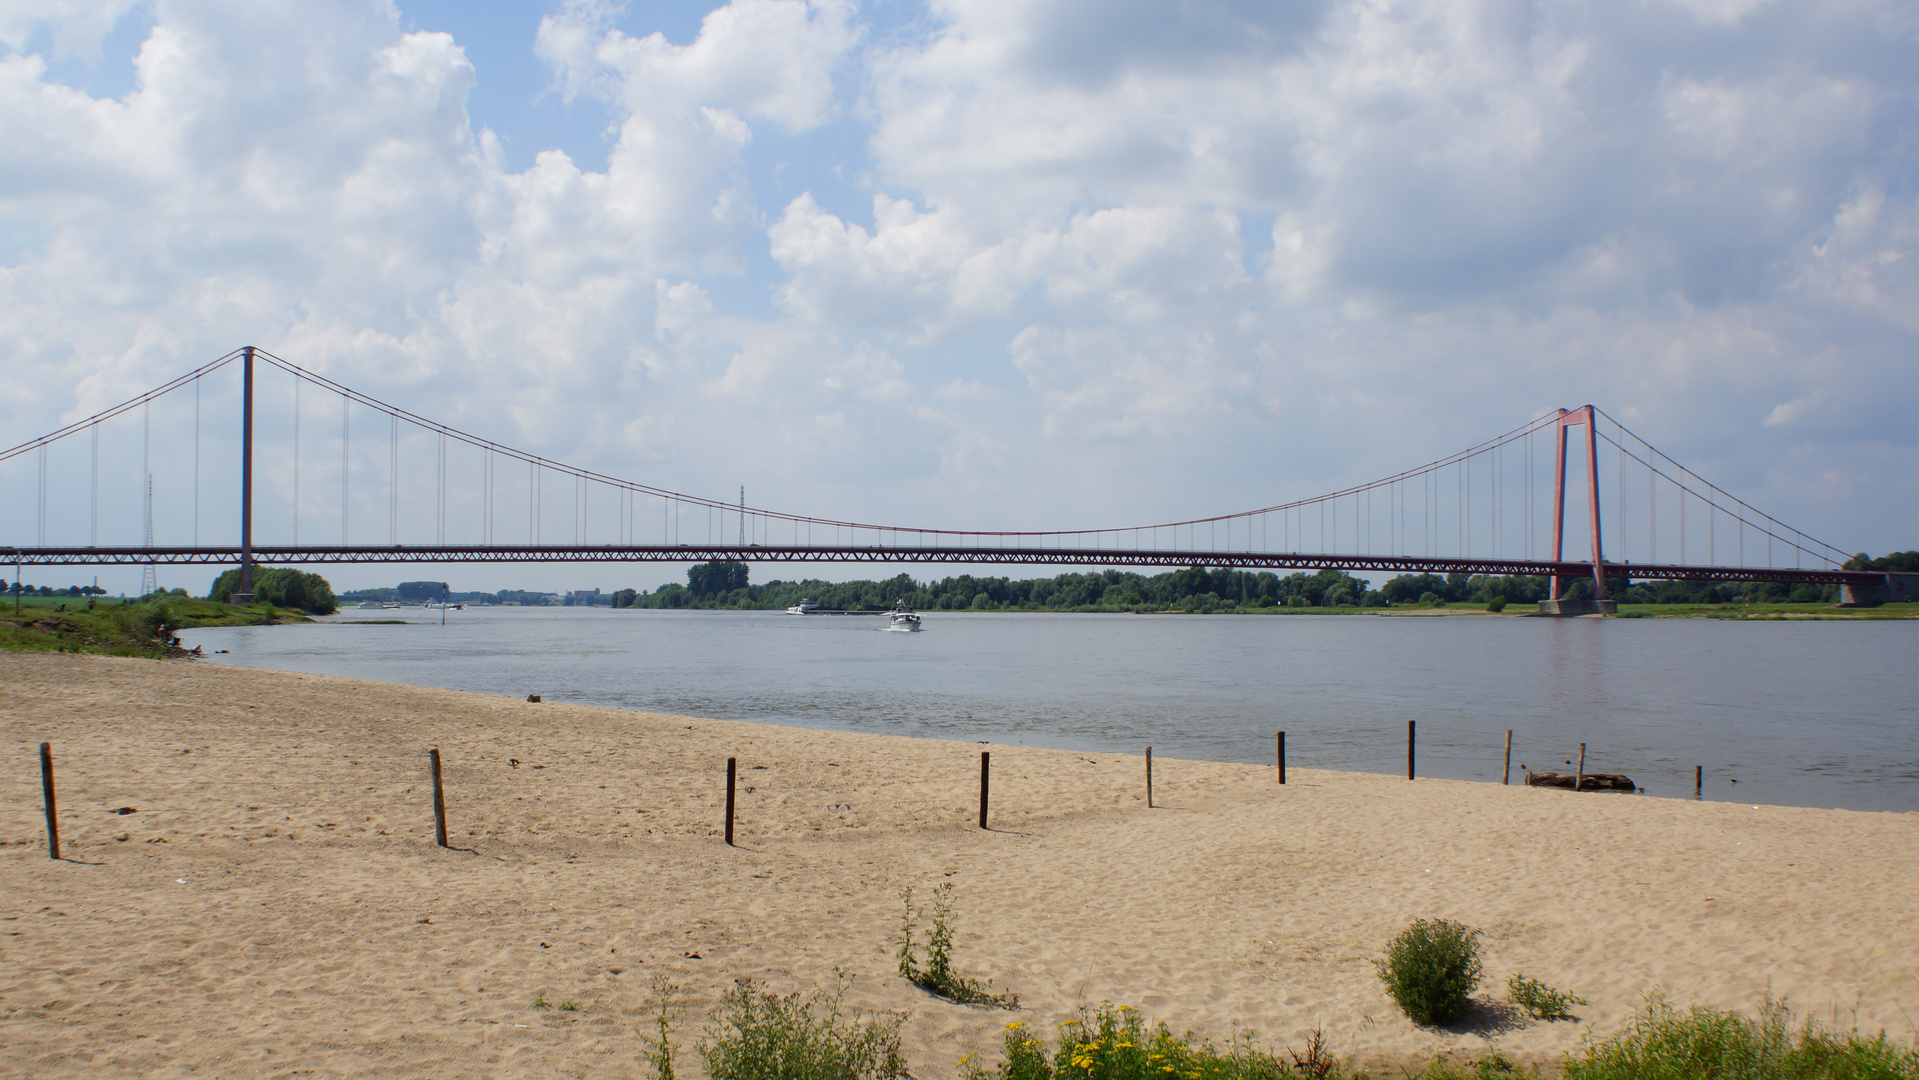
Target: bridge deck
point(1000, 556)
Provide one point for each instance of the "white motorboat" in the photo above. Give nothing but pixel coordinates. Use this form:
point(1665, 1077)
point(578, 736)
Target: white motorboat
point(804, 607)
point(903, 617)
point(371, 605)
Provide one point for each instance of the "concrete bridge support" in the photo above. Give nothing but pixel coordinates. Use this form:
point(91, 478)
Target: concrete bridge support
point(1896, 588)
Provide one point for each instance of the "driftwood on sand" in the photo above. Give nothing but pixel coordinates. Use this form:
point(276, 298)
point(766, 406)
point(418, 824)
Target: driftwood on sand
point(1588, 782)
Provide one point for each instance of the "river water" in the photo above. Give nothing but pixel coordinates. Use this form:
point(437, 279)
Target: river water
point(1794, 713)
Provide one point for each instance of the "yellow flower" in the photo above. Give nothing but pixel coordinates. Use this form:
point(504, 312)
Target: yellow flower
point(1016, 1025)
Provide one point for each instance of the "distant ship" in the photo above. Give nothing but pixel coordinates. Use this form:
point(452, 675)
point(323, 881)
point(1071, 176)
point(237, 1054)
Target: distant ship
point(804, 607)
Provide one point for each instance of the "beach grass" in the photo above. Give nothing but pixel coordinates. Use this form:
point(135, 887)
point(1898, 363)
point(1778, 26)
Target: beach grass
point(1660, 1043)
point(1663, 1043)
point(1116, 1043)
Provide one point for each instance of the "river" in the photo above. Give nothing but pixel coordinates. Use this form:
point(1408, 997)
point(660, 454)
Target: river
point(1802, 713)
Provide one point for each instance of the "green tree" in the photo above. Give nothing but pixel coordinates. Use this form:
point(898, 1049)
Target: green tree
point(711, 579)
point(280, 586)
point(423, 590)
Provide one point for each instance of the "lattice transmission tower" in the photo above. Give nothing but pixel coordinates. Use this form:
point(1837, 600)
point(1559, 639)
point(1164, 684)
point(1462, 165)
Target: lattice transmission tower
point(149, 577)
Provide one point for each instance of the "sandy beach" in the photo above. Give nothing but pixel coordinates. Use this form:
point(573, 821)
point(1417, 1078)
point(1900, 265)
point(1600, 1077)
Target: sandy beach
point(276, 905)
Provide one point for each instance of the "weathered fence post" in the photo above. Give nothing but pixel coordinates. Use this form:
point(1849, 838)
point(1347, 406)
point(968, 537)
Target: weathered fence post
point(1698, 781)
point(1579, 777)
point(1149, 778)
point(439, 798)
point(1506, 775)
point(46, 791)
point(985, 771)
point(1410, 724)
point(1282, 758)
point(732, 770)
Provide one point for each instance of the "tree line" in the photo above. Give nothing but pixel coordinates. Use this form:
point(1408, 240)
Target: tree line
point(1195, 588)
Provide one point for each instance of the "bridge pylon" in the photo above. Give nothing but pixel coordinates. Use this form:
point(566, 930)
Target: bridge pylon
point(244, 595)
point(1553, 604)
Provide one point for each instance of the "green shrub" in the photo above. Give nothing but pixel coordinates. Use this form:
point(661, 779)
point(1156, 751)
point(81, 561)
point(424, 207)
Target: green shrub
point(761, 1036)
point(1662, 1043)
point(1115, 1043)
point(1497, 604)
point(938, 976)
point(1431, 969)
point(1540, 1000)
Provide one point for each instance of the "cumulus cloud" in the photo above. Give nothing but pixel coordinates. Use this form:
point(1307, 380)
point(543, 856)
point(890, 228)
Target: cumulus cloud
point(1085, 256)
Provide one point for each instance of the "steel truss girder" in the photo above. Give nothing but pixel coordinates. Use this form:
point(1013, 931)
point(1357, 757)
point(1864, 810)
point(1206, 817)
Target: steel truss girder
point(1000, 556)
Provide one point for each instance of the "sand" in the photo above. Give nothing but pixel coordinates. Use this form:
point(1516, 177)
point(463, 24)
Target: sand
point(277, 905)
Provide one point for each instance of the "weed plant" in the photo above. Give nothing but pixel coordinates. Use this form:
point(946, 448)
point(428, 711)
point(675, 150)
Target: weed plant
point(762, 1036)
point(1663, 1043)
point(1540, 1000)
point(1431, 969)
point(1115, 1043)
point(938, 976)
point(660, 1054)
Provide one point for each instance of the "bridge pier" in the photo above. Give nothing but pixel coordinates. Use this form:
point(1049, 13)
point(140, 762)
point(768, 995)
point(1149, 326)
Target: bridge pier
point(1572, 608)
point(1894, 589)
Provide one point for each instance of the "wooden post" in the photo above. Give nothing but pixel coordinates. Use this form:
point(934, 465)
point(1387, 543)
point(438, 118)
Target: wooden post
point(732, 770)
point(1282, 759)
point(46, 790)
point(1409, 748)
point(439, 798)
point(985, 771)
point(1149, 778)
point(1698, 781)
point(1506, 777)
point(1579, 778)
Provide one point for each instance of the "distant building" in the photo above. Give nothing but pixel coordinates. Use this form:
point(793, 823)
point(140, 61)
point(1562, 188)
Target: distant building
point(584, 598)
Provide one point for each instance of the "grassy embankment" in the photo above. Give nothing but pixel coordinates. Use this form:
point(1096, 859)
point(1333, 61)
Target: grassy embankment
point(118, 628)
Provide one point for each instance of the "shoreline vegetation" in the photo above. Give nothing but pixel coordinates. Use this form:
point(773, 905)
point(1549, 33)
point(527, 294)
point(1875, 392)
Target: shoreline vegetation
point(123, 626)
point(1202, 591)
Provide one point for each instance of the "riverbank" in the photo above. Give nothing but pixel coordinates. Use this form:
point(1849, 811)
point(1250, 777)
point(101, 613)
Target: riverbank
point(116, 627)
point(276, 901)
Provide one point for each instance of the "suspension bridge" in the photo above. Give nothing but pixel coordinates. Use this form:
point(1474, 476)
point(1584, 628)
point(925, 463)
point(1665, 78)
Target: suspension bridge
point(1504, 506)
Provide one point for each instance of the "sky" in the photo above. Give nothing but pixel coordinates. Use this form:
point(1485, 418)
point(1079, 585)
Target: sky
point(983, 263)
